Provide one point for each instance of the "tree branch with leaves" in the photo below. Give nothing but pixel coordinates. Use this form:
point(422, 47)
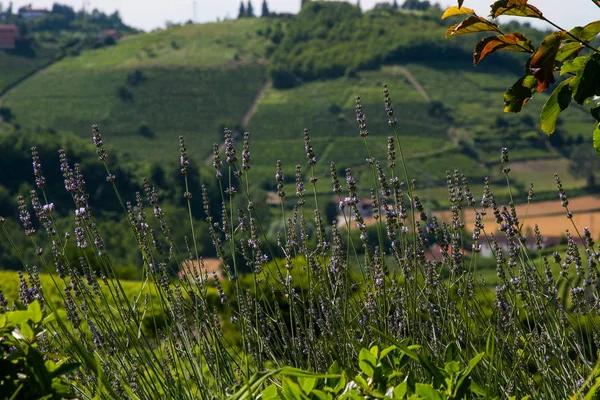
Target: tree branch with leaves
point(569, 54)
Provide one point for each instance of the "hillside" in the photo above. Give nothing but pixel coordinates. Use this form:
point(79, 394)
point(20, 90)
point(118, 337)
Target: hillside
point(190, 80)
point(196, 79)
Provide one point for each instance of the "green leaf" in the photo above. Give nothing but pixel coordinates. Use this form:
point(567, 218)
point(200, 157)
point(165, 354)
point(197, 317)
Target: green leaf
point(269, 393)
point(587, 81)
point(367, 362)
point(597, 138)
point(321, 395)
point(509, 42)
point(386, 351)
point(299, 373)
point(568, 50)
point(471, 25)
point(466, 374)
point(452, 367)
point(307, 384)
point(65, 369)
point(452, 353)
point(27, 332)
point(292, 389)
point(572, 66)
point(558, 101)
point(517, 8)
point(2, 320)
point(428, 392)
point(490, 345)
point(542, 61)
point(36, 311)
point(519, 94)
point(586, 33)
point(17, 317)
point(401, 390)
point(454, 10)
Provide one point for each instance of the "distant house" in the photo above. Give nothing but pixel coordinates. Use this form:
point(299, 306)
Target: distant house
point(29, 13)
point(8, 36)
point(113, 33)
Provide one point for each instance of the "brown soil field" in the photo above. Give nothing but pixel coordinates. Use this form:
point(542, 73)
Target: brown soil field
point(550, 216)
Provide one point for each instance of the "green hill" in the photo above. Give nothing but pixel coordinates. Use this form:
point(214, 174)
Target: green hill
point(196, 79)
point(191, 80)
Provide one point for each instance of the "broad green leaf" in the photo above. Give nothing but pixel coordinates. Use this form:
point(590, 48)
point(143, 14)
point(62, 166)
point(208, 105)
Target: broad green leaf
point(321, 395)
point(587, 81)
point(367, 362)
point(558, 101)
point(510, 42)
point(307, 384)
point(269, 393)
point(36, 311)
point(27, 332)
point(454, 10)
point(17, 317)
point(518, 8)
point(467, 372)
point(452, 367)
point(542, 61)
point(401, 390)
point(471, 25)
point(571, 67)
point(586, 33)
point(568, 50)
point(375, 351)
point(65, 369)
point(2, 320)
point(292, 389)
point(451, 353)
point(386, 351)
point(428, 392)
point(519, 94)
point(597, 138)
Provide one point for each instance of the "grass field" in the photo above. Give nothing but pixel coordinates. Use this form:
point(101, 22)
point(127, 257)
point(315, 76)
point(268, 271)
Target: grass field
point(14, 65)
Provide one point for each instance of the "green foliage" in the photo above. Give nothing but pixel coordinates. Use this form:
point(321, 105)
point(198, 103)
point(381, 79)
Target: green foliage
point(382, 374)
point(26, 371)
point(558, 51)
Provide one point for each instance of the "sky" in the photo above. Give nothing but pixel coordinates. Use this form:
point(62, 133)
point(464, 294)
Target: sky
point(151, 14)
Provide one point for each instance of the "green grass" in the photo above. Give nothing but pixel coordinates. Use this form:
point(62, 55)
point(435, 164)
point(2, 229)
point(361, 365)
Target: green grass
point(171, 101)
point(14, 65)
point(205, 45)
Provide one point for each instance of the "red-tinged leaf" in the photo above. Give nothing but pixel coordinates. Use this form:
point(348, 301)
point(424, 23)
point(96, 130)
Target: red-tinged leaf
point(517, 8)
point(596, 2)
point(510, 42)
point(586, 33)
point(558, 101)
point(471, 25)
point(454, 10)
point(568, 51)
point(542, 62)
point(587, 81)
point(519, 94)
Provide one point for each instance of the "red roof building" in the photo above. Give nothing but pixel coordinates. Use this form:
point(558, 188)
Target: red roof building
point(8, 36)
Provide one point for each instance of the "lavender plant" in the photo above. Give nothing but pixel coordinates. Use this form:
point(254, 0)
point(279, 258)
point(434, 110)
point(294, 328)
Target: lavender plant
point(313, 296)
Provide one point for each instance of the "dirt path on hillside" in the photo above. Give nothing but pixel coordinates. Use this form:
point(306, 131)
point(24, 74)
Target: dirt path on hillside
point(413, 81)
point(250, 113)
point(247, 116)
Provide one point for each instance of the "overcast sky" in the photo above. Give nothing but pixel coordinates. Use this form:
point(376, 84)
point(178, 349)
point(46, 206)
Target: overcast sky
point(150, 14)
